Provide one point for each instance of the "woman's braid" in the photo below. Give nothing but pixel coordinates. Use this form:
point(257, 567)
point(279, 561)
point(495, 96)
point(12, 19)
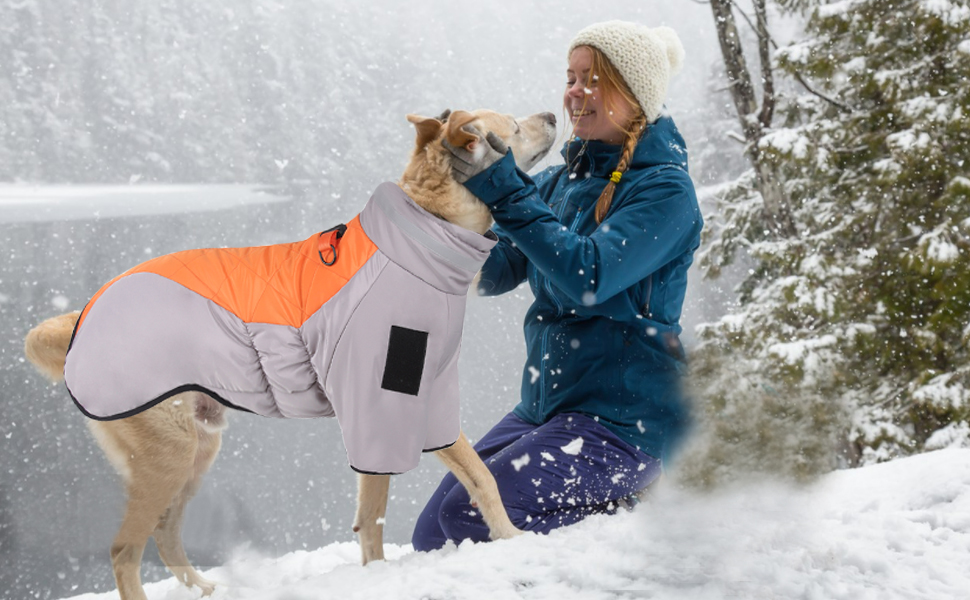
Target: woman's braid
point(633, 133)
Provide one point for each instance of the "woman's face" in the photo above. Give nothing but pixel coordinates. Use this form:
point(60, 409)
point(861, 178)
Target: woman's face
point(585, 105)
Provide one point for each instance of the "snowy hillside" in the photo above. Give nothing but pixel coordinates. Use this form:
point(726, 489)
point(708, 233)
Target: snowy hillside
point(895, 530)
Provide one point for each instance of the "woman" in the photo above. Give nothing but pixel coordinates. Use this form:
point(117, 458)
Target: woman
point(605, 242)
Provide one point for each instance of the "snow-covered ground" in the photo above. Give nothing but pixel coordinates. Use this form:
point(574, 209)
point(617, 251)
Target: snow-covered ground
point(895, 530)
point(26, 203)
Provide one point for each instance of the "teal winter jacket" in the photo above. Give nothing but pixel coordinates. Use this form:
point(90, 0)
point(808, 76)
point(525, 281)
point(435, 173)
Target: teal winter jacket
point(603, 332)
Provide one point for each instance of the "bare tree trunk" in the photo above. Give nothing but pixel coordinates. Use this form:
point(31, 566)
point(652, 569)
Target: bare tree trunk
point(753, 120)
point(767, 73)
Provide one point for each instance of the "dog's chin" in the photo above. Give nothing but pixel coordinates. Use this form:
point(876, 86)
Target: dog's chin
point(527, 164)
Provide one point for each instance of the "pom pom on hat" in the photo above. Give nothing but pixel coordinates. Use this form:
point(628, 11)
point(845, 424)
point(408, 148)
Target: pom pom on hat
point(675, 50)
point(645, 57)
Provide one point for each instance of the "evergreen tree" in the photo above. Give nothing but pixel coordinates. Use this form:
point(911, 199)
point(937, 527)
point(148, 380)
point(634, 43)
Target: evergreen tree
point(850, 342)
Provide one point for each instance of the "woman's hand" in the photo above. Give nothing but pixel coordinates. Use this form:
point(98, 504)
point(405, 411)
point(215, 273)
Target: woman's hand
point(465, 164)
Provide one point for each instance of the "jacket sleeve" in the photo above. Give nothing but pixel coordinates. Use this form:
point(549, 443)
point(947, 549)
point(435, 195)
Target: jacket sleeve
point(505, 268)
point(652, 226)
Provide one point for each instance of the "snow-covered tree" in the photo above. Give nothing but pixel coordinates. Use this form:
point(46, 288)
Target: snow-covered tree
point(850, 341)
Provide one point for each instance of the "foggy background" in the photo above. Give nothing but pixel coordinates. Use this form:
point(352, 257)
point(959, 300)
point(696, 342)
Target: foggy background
point(307, 102)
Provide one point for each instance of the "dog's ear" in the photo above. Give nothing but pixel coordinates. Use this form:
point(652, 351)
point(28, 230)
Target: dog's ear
point(428, 129)
point(455, 132)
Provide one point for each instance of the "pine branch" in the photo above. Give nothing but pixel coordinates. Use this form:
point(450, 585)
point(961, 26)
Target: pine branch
point(842, 106)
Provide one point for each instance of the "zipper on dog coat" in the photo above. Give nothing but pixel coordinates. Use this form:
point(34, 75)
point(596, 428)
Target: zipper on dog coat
point(362, 322)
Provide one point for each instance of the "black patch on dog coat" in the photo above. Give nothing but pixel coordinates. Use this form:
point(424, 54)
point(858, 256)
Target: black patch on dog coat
point(405, 360)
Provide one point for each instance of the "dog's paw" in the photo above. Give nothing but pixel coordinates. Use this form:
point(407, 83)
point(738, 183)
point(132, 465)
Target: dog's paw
point(504, 532)
point(207, 587)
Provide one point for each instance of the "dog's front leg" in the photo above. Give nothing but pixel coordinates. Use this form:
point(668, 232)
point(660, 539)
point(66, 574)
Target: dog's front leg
point(371, 506)
point(464, 462)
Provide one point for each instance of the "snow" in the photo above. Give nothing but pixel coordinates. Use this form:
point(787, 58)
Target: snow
point(793, 352)
point(60, 302)
point(518, 463)
point(888, 166)
point(574, 447)
point(941, 251)
point(905, 141)
point(38, 203)
point(856, 65)
point(954, 435)
point(796, 53)
point(787, 141)
point(841, 9)
point(943, 390)
point(951, 14)
point(734, 321)
point(893, 530)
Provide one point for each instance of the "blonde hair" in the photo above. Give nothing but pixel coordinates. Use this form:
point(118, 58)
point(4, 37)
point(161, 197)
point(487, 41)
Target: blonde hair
point(615, 90)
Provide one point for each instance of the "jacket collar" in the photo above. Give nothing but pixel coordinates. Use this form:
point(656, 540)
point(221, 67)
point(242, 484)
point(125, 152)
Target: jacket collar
point(662, 144)
point(443, 255)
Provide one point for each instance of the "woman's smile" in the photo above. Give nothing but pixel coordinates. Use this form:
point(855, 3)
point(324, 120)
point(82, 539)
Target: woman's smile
point(584, 102)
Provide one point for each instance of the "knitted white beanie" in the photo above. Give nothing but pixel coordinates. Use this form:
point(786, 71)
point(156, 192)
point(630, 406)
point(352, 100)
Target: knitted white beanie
point(645, 57)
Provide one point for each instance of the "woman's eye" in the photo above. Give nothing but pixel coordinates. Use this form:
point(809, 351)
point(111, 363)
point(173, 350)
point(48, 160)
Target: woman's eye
point(570, 83)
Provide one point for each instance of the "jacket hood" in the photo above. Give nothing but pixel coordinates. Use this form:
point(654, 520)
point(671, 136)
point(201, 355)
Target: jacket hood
point(662, 144)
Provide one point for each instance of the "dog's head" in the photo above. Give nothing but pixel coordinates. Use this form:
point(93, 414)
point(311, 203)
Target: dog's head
point(530, 138)
point(428, 178)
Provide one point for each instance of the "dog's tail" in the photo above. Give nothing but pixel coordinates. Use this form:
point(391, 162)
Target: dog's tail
point(46, 345)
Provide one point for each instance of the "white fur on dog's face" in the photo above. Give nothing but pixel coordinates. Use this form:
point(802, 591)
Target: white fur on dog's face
point(530, 138)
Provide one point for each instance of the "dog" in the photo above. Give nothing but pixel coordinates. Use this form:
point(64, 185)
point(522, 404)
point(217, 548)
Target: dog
point(162, 437)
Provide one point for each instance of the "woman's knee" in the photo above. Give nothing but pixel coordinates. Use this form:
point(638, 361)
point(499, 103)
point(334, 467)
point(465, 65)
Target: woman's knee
point(454, 518)
point(427, 534)
point(459, 520)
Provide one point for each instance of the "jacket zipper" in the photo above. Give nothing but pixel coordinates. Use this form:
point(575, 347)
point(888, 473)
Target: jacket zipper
point(546, 283)
point(646, 303)
point(559, 308)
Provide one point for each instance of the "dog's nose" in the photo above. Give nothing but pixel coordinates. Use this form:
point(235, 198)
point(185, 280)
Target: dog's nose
point(549, 118)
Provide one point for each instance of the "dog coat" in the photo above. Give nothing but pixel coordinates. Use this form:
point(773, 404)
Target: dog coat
point(362, 322)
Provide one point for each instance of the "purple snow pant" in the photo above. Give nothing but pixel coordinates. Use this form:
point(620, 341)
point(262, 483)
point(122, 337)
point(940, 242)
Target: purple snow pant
point(545, 480)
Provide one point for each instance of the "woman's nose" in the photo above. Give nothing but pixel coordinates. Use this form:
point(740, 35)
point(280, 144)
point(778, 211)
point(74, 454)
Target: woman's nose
point(576, 90)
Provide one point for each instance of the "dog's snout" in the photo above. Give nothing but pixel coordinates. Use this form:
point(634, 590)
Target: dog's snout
point(549, 118)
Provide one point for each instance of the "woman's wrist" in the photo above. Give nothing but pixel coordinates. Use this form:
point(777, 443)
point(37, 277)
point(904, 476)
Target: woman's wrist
point(498, 182)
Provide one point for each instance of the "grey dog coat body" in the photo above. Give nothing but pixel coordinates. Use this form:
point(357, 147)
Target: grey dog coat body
point(372, 339)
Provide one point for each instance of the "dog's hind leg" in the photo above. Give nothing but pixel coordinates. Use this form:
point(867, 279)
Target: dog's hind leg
point(158, 447)
point(369, 523)
point(168, 533)
point(464, 462)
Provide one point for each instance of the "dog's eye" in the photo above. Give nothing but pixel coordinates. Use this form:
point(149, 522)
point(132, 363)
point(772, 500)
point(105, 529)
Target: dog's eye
point(516, 123)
